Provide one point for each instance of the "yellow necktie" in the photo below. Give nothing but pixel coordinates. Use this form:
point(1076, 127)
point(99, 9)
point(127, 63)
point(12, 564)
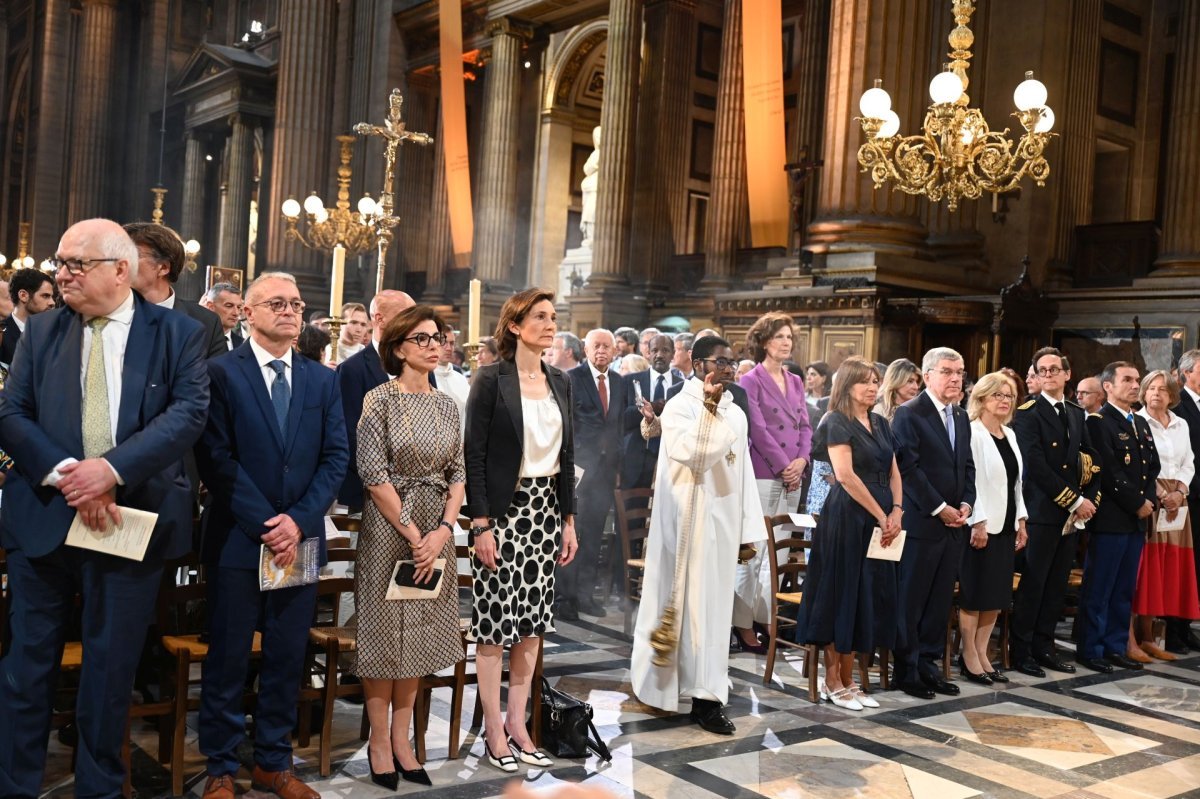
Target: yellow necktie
point(97, 426)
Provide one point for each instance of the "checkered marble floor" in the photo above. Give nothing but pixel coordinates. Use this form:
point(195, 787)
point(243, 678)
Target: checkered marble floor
point(1082, 736)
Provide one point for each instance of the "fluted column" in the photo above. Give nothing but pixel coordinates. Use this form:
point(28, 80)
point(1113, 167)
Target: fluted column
point(303, 134)
point(368, 86)
point(870, 39)
point(53, 123)
point(664, 105)
point(90, 164)
point(496, 215)
point(618, 122)
point(235, 212)
point(194, 168)
point(727, 205)
point(814, 60)
point(438, 245)
point(1181, 209)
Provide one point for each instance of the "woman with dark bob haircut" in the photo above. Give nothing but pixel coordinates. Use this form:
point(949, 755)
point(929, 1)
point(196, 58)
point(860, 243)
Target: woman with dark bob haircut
point(521, 499)
point(411, 463)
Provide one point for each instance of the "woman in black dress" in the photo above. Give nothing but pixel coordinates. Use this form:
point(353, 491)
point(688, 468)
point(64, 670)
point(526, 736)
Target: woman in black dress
point(837, 610)
point(997, 524)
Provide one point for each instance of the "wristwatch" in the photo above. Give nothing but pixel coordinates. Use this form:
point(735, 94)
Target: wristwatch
point(478, 530)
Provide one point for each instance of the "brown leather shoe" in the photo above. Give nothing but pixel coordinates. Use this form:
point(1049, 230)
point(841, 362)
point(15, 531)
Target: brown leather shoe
point(221, 787)
point(281, 783)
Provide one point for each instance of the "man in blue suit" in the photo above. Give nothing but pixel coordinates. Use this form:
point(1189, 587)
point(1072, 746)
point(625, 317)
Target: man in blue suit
point(356, 376)
point(272, 455)
point(598, 402)
point(655, 384)
point(933, 438)
point(104, 397)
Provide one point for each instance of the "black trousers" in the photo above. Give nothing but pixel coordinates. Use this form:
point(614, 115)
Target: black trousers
point(1039, 601)
point(928, 569)
point(594, 497)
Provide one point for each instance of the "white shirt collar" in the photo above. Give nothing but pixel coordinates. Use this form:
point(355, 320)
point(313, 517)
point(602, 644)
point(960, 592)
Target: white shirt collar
point(17, 321)
point(596, 373)
point(122, 314)
point(941, 406)
point(263, 357)
point(669, 375)
point(1172, 418)
point(1195, 397)
point(1050, 399)
point(169, 302)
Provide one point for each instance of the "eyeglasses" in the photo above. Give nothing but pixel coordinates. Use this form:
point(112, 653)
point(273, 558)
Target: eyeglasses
point(950, 372)
point(1050, 371)
point(1080, 392)
point(422, 340)
point(278, 306)
point(721, 363)
point(77, 266)
point(1000, 396)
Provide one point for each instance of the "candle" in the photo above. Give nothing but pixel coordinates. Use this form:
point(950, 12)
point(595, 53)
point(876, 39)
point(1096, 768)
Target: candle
point(335, 281)
point(473, 313)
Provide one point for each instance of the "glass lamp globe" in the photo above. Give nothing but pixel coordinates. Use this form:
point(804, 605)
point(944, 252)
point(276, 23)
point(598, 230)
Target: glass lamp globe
point(27, 261)
point(891, 125)
point(291, 208)
point(3, 259)
point(1030, 93)
point(874, 103)
point(192, 246)
point(46, 266)
point(366, 206)
point(1046, 122)
point(313, 205)
point(321, 215)
point(945, 88)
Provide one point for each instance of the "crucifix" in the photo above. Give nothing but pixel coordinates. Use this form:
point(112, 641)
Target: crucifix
point(394, 133)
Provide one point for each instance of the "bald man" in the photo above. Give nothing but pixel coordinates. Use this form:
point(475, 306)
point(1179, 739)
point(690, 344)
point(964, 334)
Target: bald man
point(357, 375)
point(1089, 395)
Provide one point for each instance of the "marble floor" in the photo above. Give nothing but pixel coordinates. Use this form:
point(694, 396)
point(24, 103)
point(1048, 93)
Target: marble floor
point(1081, 736)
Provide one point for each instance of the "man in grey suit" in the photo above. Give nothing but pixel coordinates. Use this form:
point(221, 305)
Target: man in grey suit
point(160, 260)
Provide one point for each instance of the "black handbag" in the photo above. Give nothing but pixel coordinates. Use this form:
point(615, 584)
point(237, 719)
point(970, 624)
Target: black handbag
point(567, 728)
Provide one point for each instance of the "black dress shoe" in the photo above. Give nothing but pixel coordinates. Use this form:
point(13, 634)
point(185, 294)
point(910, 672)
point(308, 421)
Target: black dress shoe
point(565, 611)
point(1027, 665)
point(944, 687)
point(1177, 648)
point(1054, 663)
point(1193, 641)
point(1123, 662)
point(982, 678)
point(1096, 664)
point(919, 690)
point(385, 779)
point(590, 607)
point(757, 649)
point(711, 717)
point(999, 676)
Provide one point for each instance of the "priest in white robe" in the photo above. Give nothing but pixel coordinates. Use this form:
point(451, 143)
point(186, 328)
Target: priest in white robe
point(705, 494)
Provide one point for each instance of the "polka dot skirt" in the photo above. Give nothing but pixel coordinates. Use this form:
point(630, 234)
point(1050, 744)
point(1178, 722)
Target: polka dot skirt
point(515, 601)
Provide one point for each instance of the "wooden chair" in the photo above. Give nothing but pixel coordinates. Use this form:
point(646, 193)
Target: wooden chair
point(787, 579)
point(633, 525)
point(456, 680)
point(346, 524)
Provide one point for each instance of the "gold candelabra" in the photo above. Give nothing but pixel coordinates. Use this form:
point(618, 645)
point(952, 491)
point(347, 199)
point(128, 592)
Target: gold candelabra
point(156, 215)
point(324, 229)
point(957, 155)
point(394, 132)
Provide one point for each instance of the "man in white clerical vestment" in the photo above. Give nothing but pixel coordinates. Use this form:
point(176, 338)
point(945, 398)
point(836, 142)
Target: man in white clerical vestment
point(705, 506)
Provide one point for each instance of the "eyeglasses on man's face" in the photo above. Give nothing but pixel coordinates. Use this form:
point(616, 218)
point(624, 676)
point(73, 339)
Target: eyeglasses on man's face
point(77, 266)
point(279, 306)
point(1050, 371)
point(423, 340)
point(721, 363)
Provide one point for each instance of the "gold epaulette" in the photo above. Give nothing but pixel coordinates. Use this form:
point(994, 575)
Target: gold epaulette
point(1026, 406)
point(1095, 416)
point(1066, 498)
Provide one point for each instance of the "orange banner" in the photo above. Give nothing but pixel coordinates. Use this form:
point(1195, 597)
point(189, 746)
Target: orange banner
point(766, 149)
point(454, 131)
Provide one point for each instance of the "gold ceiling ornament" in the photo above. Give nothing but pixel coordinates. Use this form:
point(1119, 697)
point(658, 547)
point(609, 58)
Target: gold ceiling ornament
point(957, 155)
point(325, 229)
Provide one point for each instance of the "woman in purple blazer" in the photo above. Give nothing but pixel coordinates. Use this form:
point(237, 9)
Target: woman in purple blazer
point(780, 443)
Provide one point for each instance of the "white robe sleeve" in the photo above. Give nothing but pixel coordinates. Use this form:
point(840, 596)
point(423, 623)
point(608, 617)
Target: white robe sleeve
point(684, 445)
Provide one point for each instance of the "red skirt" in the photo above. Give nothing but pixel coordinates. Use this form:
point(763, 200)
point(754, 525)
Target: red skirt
point(1166, 581)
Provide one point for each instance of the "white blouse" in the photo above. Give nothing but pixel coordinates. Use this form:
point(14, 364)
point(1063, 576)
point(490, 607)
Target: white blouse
point(1174, 445)
point(543, 436)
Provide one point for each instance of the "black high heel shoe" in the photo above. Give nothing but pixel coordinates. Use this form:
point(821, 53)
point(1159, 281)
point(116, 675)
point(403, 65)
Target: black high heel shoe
point(385, 779)
point(979, 679)
point(417, 775)
point(756, 649)
point(997, 676)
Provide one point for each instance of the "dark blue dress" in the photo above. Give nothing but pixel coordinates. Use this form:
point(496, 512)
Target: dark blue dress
point(842, 589)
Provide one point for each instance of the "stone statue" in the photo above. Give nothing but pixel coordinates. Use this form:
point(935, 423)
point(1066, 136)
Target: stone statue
point(591, 177)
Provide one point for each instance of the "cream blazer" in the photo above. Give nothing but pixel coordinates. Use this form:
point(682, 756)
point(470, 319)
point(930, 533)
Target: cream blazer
point(991, 481)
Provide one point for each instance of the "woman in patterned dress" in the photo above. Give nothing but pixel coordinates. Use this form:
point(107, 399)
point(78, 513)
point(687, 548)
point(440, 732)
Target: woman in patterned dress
point(410, 460)
point(521, 500)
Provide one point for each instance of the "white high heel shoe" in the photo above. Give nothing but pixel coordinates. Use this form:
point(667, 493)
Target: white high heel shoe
point(864, 699)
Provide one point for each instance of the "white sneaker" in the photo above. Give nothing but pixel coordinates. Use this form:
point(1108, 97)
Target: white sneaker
point(844, 698)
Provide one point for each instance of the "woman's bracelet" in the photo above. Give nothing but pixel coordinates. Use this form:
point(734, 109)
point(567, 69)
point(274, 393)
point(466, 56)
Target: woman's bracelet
point(897, 505)
point(447, 525)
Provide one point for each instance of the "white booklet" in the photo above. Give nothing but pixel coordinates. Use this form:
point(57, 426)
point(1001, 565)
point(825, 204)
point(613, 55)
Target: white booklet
point(129, 540)
point(893, 551)
point(1163, 526)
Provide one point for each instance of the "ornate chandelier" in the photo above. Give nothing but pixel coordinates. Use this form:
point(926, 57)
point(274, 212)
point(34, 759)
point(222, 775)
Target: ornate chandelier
point(957, 155)
point(325, 228)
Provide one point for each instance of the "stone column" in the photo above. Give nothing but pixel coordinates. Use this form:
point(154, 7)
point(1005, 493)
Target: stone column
point(728, 204)
point(49, 185)
point(303, 134)
point(618, 121)
point(495, 218)
point(1181, 210)
point(368, 85)
point(92, 123)
point(192, 200)
point(664, 117)
point(814, 59)
point(235, 211)
point(438, 245)
point(870, 39)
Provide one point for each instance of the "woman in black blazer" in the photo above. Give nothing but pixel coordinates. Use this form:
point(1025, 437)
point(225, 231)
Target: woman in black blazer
point(521, 499)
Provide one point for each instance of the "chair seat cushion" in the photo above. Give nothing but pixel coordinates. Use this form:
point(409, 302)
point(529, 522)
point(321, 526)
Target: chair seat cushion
point(197, 649)
point(344, 636)
point(789, 596)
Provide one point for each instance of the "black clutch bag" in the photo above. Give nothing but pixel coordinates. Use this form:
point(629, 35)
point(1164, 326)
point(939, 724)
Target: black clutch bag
point(404, 586)
point(406, 578)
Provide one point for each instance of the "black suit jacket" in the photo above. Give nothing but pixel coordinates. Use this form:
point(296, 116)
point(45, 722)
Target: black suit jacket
point(1190, 413)
point(356, 375)
point(495, 439)
point(597, 435)
point(1051, 484)
point(214, 335)
point(931, 473)
point(635, 449)
point(738, 393)
point(1129, 467)
point(8, 345)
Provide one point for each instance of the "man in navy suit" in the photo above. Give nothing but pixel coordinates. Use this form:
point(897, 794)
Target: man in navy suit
point(599, 399)
point(32, 292)
point(356, 376)
point(104, 397)
point(933, 437)
point(272, 455)
point(640, 454)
